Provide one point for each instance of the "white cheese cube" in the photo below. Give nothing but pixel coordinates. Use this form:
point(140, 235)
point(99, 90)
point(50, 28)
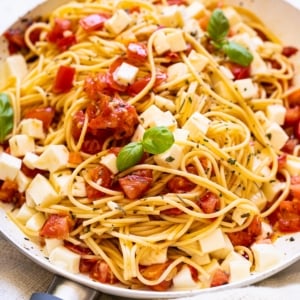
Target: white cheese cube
point(78, 187)
point(32, 128)
point(22, 181)
point(222, 253)
point(265, 256)
point(272, 189)
point(65, 259)
point(30, 160)
point(292, 166)
point(170, 158)
point(148, 117)
point(166, 119)
point(138, 134)
point(195, 124)
point(240, 215)
point(152, 256)
point(246, 88)
point(125, 74)
point(160, 43)
point(232, 16)
point(201, 259)
point(110, 161)
point(258, 66)
point(192, 27)
point(41, 192)
point(20, 144)
point(171, 16)
point(51, 244)
point(25, 213)
point(176, 41)
point(241, 27)
point(259, 199)
point(180, 135)
point(36, 222)
point(198, 60)
point(9, 166)
point(276, 113)
point(184, 280)
point(227, 72)
point(213, 241)
point(164, 103)
point(266, 229)
point(177, 71)
point(194, 10)
point(118, 22)
point(60, 181)
point(277, 136)
point(245, 40)
point(55, 157)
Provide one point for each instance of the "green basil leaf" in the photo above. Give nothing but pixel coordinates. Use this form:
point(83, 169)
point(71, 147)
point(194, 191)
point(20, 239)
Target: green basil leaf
point(218, 26)
point(237, 53)
point(157, 140)
point(130, 155)
point(6, 116)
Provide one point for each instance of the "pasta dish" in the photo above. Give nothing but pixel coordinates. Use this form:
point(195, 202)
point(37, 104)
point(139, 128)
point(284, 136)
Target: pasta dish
point(152, 144)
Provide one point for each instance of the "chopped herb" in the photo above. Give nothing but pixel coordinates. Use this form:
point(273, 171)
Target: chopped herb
point(170, 159)
point(231, 161)
point(245, 215)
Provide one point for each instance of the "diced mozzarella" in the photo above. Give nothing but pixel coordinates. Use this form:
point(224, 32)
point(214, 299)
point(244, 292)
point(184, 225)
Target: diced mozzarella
point(55, 157)
point(176, 41)
point(227, 72)
point(138, 134)
point(60, 181)
point(118, 22)
point(164, 103)
point(292, 166)
point(65, 258)
point(110, 161)
point(171, 16)
point(272, 189)
point(20, 144)
point(222, 253)
point(245, 40)
point(232, 16)
point(25, 213)
point(166, 119)
point(213, 241)
point(259, 199)
point(192, 27)
point(180, 135)
point(30, 160)
point(22, 181)
point(170, 158)
point(32, 128)
point(13, 67)
point(266, 229)
point(195, 124)
point(184, 280)
point(78, 187)
point(276, 113)
point(51, 244)
point(9, 166)
point(160, 43)
point(241, 27)
point(125, 74)
point(246, 88)
point(277, 136)
point(240, 215)
point(150, 116)
point(201, 259)
point(176, 71)
point(194, 10)
point(198, 60)
point(41, 192)
point(36, 222)
point(258, 66)
point(265, 256)
point(152, 256)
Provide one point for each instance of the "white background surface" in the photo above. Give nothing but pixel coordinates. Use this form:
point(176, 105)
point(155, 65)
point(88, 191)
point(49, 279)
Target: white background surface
point(19, 277)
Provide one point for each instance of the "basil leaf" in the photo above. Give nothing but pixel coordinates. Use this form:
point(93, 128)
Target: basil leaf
point(157, 140)
point(6, 116)
point(218, 26)
point(130, 155)
point(237, 53)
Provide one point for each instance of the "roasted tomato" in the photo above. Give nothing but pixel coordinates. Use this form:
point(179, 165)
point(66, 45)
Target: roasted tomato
point(63, 81)
point(103, 273)
point(209, 203)
point(57, 226)
point(93, 22)
point(137, 53)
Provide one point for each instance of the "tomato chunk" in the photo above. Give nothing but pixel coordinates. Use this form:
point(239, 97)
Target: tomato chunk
point(63, 81)
point(44, 114)
point(209, 203)
point(57, 226)
point(137, 53)
point(220, 277)
point(103, 273)
point(93, 22)
point(288, 51)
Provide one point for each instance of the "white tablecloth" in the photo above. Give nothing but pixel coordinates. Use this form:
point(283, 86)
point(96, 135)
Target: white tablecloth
point(20, 277)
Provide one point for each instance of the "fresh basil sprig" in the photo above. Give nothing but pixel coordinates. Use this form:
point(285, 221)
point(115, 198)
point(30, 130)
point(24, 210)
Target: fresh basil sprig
point(6, 116)
point(218, 28)
point(155, 140)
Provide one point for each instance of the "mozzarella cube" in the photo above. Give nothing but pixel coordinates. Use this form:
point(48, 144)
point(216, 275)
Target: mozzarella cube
point(194, 10)
point(30, 160)
point(138, 134)
point(55, 157)
point(118, 22)
point(259, 199)
point(65, 259)
point(292, 166)
point(266, 229)
point(41, 192)
point(171, 16)
point(222, 253)
point(20, 144)
point(240, 215)
point(152, 256)
point(276, 113)
point(36, 222)
point(170, 158)
point(177, 71)
point(176, 41)
point(198, 60)
point(148, 117)
point(212, 242)
point(22, 181)
point(60, 181)
point(201, 259)
point(164, 103)
point(195, 124)
point(180, 135)
point(78, 187)
point(32, 128)
point(272, 189)
point(277, 136)
point(258, 66)
point(246, 88)
point(51, 244)
point(110, 161)
point(166, 119)
point(125, 74)
point(265, 256)
point(232, 16)
point(241, 27)
point(160, 43)
point(184, 280)
point(192, 27)
point(25, 213)
point(9, 166)
point(227, 72)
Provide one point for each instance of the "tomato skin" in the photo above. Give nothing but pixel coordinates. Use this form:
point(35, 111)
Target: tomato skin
point(239, 72)
point(93, 22)
point(102, 273)
point(294, 98)
point(44, 114)
point(288, 216)
point(137, 53)
point(292, 115)
point(56, 226)
point(288, 51)
point(290, 145)
point(9, 193)
point(63, 81)
point(220, 277)
point(15, 38)
point(172, 212)
point(209, 203)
